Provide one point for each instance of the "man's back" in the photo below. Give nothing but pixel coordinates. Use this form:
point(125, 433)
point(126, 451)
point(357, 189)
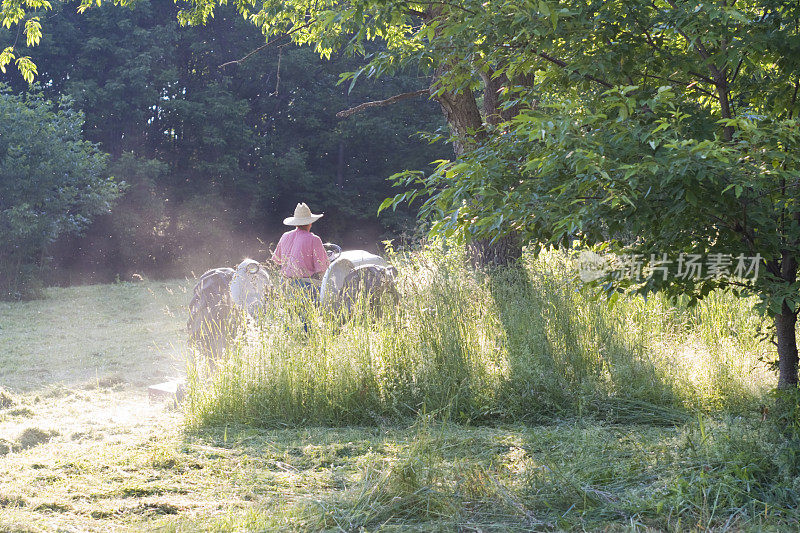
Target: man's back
point(300, 254)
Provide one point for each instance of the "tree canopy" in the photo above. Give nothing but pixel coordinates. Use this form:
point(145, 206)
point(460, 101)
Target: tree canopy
point(653, 127)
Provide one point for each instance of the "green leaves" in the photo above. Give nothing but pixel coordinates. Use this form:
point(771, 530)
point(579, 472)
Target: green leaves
point(51, 181)
point(14, 12)
point(6, 57)
point(27, 68)
point(646, 179)
point(33, 31)
point(11, 13)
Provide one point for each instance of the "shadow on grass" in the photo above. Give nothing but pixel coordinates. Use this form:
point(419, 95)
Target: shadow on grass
point(568, 356)
point(442, 476)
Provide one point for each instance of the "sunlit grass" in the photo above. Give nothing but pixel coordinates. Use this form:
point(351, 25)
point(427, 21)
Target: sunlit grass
point(519, 345)
point(87, 333)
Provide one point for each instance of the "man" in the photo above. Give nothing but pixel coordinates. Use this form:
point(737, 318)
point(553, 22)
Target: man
point(300, 253)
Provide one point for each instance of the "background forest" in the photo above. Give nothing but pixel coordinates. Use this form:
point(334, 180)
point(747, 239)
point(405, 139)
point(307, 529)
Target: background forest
point(213, 158)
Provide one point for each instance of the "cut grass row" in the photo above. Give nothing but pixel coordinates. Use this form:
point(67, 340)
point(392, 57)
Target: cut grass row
point(584, 475)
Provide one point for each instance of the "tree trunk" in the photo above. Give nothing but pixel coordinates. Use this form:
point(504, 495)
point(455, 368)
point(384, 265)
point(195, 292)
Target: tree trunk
point(493, 112)
point(459, 107)
point(467, 126)
point(461, 112)
point(340, 166)
point(785, 329)
point(491, 97)
point(505, 251)
point(787, 348)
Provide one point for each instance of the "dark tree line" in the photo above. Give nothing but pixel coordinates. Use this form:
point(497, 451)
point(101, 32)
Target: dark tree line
point(215, 157)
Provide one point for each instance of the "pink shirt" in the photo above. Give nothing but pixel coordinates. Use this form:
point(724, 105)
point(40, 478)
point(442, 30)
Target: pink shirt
point(300, 254)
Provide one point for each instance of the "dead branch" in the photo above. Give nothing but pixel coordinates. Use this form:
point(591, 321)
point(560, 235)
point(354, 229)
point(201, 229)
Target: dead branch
point(380, 103)
point(270, 43)
point(278, 71)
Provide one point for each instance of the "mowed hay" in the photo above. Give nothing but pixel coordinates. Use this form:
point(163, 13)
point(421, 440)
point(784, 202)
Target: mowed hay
point(6, 399)
point(6, 447)
point(33, 437)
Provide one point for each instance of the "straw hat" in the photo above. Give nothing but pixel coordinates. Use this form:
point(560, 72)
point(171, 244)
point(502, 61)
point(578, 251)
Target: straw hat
point(302, 216)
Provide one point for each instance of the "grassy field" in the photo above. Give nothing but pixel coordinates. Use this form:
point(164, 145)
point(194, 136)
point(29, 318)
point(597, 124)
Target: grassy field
point(484, 403)
point(79, 334)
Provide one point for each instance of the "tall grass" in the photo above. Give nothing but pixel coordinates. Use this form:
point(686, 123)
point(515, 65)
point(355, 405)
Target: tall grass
point(520, 344)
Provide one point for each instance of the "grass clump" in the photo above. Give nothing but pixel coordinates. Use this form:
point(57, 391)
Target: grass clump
point(34, 436)
point(519, 345)
point(6, 399)
point(23, 412)
point(6, 447)
point(731, 473)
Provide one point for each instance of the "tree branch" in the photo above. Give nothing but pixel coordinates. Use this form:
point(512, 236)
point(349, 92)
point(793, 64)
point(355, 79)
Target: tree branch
point(414, 12)
point(251, 53)
point(270, 43)
point(739, 66)
point(794, 99)
point(697, 43)
point(702, 77)
point(685, 84)
point(451, 4)
point(563, 64)
point(380, 103)
point(657, 48)
point(719, 76)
